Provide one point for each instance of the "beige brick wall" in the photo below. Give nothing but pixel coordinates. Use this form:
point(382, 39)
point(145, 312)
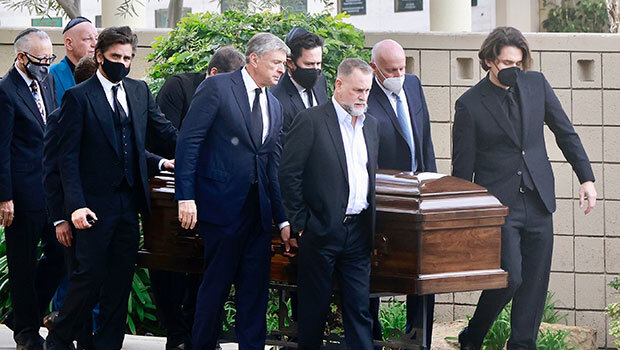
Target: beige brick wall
point(584, 71)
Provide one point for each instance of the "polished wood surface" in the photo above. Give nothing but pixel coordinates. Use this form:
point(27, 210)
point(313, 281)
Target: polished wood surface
point(434, 234)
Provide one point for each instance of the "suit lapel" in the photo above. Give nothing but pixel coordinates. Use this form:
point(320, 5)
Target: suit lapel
point(333, 127)
point(293, 94)
point(241, 96)
point(492, 104)
point(524, 97)
point(46, 94)
point(370, 147)
point(319, 91)
point(102, 109)
point(387, 106)
point(414, 105)
point(26, 95)
point(135, 105)
point(271, 105)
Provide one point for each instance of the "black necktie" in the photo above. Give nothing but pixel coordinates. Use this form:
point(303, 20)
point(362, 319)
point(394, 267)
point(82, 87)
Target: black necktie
point(309, 93)
point(119, 113)
point(513, 112)
point(257, 118)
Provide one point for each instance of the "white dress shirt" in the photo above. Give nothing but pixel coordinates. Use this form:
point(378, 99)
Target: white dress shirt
point(250, 86)
point(305, 98)
point(356, 155)
point(403, 99)
point(28, 82)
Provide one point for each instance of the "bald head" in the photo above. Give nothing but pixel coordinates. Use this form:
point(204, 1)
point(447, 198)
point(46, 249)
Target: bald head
point(80, 41)
point(388, 60)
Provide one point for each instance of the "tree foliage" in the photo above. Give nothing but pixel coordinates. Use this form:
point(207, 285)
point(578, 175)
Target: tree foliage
point(189, 47)
point(588, 16)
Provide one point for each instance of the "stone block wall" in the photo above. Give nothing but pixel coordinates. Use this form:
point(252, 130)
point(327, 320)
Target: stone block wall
point(584, 71)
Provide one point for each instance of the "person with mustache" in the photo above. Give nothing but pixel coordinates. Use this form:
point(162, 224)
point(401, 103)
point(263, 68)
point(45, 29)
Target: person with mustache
point(327, 177)
point(498, 143)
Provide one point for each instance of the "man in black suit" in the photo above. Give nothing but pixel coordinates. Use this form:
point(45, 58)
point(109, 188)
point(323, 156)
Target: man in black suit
point(327, 176)
point(176, 94)
point(303, 85)
point(226, 177)
point(175, 292)
point(103, 169)
point(397, 101)
point(498, 142)
point(27, 97)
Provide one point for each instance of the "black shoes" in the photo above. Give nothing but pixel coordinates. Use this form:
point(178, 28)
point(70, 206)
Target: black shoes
point(465, 342)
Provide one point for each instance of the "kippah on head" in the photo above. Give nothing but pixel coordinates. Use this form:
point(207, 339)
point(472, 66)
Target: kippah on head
point(25, 32)
point(295, 32)
point(75, 21)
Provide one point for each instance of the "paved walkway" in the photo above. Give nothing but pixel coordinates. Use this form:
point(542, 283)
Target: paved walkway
point(132, 342)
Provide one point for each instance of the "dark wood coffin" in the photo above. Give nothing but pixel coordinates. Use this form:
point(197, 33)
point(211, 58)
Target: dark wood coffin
point(435, 234)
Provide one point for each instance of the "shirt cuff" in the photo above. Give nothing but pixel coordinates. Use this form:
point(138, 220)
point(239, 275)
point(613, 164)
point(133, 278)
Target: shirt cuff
point(58, 222)
point(161, 163)
point(283, 225)
point(185, 200)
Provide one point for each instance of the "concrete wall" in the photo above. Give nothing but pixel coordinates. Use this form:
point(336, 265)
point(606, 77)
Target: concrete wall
point(583, 70)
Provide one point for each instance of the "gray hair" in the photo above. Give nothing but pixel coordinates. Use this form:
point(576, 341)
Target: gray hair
point(261, 43)
point(346, 67)
point(23, 39)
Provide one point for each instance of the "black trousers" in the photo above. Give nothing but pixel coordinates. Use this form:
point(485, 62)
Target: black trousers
point(175, 296)
point(242, 259)
point(106, 255)
point(32, 281)
point(527, 246)
point(347, 256)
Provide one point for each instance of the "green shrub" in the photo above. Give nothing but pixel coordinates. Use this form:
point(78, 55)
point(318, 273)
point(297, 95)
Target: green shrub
point(613, 310)
point(589, 16)
point(189, 47)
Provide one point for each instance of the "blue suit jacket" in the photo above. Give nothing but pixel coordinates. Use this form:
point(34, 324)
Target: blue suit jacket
point(21, 141)
point(216, 156)
point(394, 153)
point(63, 76)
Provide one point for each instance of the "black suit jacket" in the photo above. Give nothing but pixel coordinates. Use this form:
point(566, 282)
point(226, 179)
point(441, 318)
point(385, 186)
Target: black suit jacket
point(487, 149)
point(394, 152)
point(88, 160)
point(21, 141)
point(313, 172)
point(174, 99)
point(291, 102)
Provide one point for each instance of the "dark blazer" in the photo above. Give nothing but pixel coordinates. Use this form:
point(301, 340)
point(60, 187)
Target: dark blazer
point(216, 157)
point(90, 167)
point(485, 147)
point(21, 141)
point(394, 152)
point(313, 172)
point(291, 102)
point(54, 195)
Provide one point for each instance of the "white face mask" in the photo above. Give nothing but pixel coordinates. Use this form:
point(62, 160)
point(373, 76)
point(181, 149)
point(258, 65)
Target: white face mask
point(393, 84)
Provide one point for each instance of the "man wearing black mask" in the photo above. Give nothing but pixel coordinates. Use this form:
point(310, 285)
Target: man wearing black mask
point(303, 86)
point(103, 169)
point(498, 142)
point(27, 97)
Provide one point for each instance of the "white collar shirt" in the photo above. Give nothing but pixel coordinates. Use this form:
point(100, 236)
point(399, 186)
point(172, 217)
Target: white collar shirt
point(28, 82)
point(107, 88)
point(251, 86)
point(303, 93)
point(356, 156)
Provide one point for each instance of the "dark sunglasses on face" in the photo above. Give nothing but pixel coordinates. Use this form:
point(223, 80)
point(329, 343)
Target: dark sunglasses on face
point(40, 60)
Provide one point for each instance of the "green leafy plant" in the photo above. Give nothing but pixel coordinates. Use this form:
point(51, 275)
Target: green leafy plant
point(141, 311)
point(5, 297)
point(393, 316)
point(588, 16)
point(613, 310)
point(189, 47)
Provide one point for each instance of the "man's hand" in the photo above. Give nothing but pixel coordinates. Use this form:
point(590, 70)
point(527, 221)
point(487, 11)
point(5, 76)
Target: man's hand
point(188, 215)
point(79, 218)
point(63, 233)
point(168, 164)
point(6, 213)
point(587, 192)
point(285, 234)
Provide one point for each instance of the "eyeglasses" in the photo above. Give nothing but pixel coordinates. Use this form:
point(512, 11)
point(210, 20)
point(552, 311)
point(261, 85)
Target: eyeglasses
point(41, 60)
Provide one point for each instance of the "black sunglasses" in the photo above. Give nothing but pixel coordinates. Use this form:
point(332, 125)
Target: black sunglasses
point(41, 60)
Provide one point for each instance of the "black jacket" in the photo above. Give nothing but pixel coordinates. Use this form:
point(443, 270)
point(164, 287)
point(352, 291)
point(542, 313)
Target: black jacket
point(313, 171)
point(486, 149)
point(88, 160)
point(21, 141)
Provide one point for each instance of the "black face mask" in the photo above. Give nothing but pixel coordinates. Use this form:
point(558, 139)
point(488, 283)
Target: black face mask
point(508, 76)
point(115, 71)
point(38, 71)
point(306, 77)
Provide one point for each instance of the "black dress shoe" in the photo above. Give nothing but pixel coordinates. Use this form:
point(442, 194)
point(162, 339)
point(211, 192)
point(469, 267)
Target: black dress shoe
point(465, 342)
point(53, 344)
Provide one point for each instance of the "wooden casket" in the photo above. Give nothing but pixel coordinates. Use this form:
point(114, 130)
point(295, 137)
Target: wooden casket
point(434, 234)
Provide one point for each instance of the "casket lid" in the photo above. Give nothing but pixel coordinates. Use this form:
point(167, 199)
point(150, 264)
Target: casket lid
point(408, 184)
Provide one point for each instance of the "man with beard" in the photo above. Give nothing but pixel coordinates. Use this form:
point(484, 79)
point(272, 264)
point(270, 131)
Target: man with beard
point(27, 96)
point(327, 176)
point(303, 85)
